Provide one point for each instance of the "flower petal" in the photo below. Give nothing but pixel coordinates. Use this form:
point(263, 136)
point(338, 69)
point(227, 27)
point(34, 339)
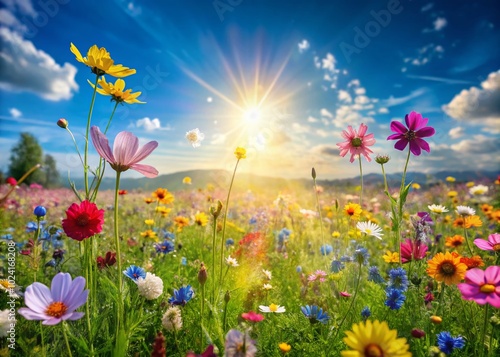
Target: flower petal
point(425, 132)
point(125, 148)
point(362, 130)
point(144, 152)
point(475, 276)
point(401, 144)
point(146, 170)
point(29, 314)
point(37, 297)
point(415, 148)
point(101, 144)
point(73, 316)
point(60, 286)
point(397, 127)
point(414, 120)
point(423, 144)
point(483, 244)
point(492, 275)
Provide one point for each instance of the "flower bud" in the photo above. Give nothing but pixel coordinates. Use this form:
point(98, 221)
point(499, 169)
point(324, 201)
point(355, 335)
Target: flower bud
point(40, 211)
point(227, 296)
point(417, 333)
point(436, 319)
point(215, 211)
point(382, 159)
point(416, 280)
point(202, 275)
point(62, 123)
point(313, 173)
point(11, 181)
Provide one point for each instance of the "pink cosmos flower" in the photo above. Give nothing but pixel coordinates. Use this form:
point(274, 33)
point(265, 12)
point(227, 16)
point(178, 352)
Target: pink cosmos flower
point(356, 143)
point(57, 303)
point(493, 242)
point(482, 286)
point(126, 152)
point(412, 135)
point(252, 316)
point(411, 250)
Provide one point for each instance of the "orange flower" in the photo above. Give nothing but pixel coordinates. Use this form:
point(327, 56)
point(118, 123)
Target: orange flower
point(446, 268)
point(148, 200)
point(163, 196)
point(486, 208)
point(473, 262)
point(181, 222)
point(472, 221)
point(458, 222)
point(455, 241)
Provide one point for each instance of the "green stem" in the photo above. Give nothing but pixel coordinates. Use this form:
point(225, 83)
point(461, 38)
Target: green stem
point(88, 279)
point(35, 248)
point(66, 339)
point(224, 223)
point(319, 211)
point(485, 325)
point(386, 187)
point(118, 256)
point(214, 235)
point(110, 118)
point(361, 176)
point(467, 239)
point(400, 208)
point(43, 342)
point(352, 302)
point(201, 315)
point(87, 130)
point(76, 146)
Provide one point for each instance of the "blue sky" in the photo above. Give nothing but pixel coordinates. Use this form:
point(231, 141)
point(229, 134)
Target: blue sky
point(310, 67)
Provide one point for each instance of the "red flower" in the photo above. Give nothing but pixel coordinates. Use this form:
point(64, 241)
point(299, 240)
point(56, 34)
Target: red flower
point(83, 220)
point(209, 352)
point(107, 261)
point(122, 192)
point(11, 181)
point(413, 250)
point(252, 316)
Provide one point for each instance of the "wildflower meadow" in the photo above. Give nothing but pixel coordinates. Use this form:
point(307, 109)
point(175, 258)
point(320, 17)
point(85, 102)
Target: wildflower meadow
point(367, 270)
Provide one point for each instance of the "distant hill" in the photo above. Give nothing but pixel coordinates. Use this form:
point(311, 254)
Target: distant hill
point(222, 178)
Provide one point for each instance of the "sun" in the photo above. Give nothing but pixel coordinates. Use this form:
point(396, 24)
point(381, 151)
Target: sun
point(252, 115)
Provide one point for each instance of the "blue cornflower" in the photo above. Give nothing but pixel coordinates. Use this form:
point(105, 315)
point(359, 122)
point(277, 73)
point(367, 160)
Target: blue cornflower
point(447, 343)
point(40, 211)
point(361, 256)
point(253, 220)
point(366, 313)
point(182, 296)
point(336, 266)
point(374, 275)
point(298, 269)
point(165, 247)
point(283, 235)
point(134, 272)
point(184, 261)
point(229, 242)
point(315, 314)
point(395, 298)
point(7, 236)
point(346, 259)
point(326, 249)
point(398, 279)
point(168, 235)
point(33, 226)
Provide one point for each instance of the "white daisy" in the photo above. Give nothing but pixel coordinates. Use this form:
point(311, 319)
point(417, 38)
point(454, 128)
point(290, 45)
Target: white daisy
point(272, 308)
point(370, 228)
point(478, 190)
point(232, 262)
point(268, 274)
point(195, 137)
point(465, 211)
point(150, 287)
point(267, 287)
point(437, 208)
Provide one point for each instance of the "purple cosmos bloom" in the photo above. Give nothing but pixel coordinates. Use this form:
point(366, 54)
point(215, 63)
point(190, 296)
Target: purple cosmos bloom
point(413, 135)
point(493, 242)
point(58, 303)
point(126, 153)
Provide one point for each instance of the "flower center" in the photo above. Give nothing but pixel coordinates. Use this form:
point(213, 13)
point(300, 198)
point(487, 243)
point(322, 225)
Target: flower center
point(5, 283)
point(356, 142)
point(368, 231)
point(410, 135)
point(273, 307)
point(82, 220)
point(496, 247)
point(487, 288)
point(447, 268)
point(350, 211)
point(98, 71)
point(373, 350)
point(56, 309)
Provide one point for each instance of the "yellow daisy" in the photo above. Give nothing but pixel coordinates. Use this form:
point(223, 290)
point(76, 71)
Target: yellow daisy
point(353, 210)
point(240, 153)
point(99, 60)
point(447, 268)
point(117, 92)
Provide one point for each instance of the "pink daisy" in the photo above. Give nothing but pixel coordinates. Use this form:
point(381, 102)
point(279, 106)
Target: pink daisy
point(482, 286)
point(356, 142)
point(493, 242)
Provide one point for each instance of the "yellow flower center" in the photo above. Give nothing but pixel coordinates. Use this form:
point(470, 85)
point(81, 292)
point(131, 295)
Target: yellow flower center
point(447, 268)
point(56, 309)
point(273, 307)
point(496, 247)
point(5, 283)
point(368, 231)
point(373, 350)
point(487, 288)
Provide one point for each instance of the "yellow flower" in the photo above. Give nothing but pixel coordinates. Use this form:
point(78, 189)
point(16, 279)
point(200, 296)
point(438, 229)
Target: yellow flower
point(454, 241)
point(284, 347)
point(452, 194)
point(148, 200)
point(447, 268)
point(353, 210)
point(150, 234)
point(335, 234)
point(186, 180)
point(201, 219)
point(181, 222)
point(375, 339)
point(391, 257)
point(149, 222)
point(415, 186)
point(470, 184)
point(116, 91)
point(240, 153)
point(163, 196)
point(450, 179)
point(99, 60)
point(472, 221)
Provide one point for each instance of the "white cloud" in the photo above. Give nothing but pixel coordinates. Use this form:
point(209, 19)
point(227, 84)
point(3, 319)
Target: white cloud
point(8, 19)
point(317, 62)
point(439, 23)
point(354, 82)
point(149, 124)
point(218, 139)
point(457, 132)
point(392, 101)
point(300, 128)
point(427, 7)
point(479, 105)
point(425, 54)
point(303, 46)
point(361, 100)
point(311, 119)
point(328, 63)
point(360, 91)
point(322, 133)
point(383, 110)
point(25, 68)
point(479, 144)
point(325, 113)
point(16, 113)
point(25, 7)
point(344, 96)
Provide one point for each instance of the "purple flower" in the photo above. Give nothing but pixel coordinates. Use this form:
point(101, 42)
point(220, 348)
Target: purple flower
point(58, 303)
point(412, 135)
point(126, 153)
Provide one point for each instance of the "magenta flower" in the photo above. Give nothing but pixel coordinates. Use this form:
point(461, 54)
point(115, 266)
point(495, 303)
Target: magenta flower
point(356, 143)
point(126, 152)
point(412, 135)
point(58, 303)
point(413, 250)
point(493, 242)
point(482, 286)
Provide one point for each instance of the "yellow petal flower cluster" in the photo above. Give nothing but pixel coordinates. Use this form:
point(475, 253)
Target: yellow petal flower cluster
point(100, 61)
point(117, 91)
